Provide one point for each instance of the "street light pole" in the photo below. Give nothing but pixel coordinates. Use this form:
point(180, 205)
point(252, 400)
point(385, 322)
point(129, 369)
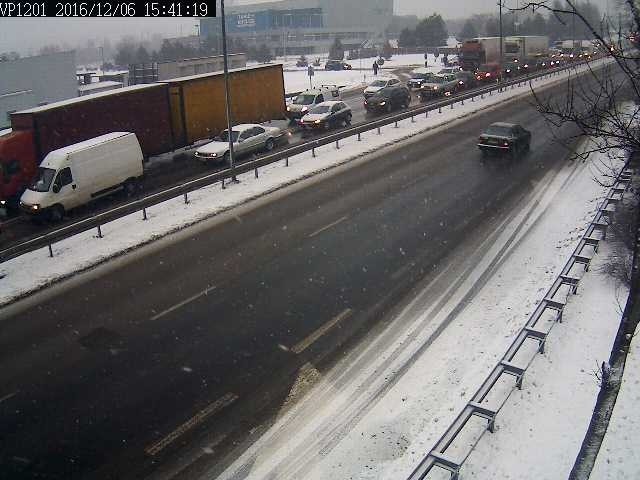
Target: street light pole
point(501, 41)
point(227, 94)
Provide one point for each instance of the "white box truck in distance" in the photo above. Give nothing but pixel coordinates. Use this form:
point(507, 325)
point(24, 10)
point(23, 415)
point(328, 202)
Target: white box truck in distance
point(77, 174)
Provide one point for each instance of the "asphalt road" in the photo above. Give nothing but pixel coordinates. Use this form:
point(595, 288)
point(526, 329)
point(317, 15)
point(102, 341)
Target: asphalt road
point(129, 368)
point(167, 170)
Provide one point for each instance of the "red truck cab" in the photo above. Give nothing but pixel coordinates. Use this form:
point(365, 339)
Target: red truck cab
point(18, 165)
point(488, 72)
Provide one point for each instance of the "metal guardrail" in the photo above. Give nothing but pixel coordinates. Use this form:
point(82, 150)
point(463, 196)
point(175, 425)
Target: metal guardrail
point(99, 219)
point(437, 456)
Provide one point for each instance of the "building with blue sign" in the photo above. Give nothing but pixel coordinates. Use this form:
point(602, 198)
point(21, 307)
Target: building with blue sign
point(294, 27)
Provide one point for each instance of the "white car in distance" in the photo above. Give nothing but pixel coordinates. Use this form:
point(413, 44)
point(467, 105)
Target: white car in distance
point(247, 138)
point(378, 84)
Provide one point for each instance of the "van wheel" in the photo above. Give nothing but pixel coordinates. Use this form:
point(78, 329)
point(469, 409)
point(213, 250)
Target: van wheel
point(268, 146)
point(55, 214)
point(130, 187)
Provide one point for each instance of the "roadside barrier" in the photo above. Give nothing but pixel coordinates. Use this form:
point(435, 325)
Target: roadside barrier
point(141, 205)
point(553, 304)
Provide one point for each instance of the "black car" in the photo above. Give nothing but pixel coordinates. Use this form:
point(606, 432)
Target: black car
point(336, 65)
point(326, 115)
point(385, 100)
point(466, 80)
point(503, 137)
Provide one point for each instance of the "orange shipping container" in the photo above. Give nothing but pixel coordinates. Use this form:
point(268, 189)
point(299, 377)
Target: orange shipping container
point(198, 102)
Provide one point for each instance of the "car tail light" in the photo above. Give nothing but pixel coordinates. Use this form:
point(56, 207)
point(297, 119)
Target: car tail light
point(487, 74)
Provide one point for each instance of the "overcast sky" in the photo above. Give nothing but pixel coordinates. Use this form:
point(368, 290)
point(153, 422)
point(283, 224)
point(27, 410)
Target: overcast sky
point(28, 35)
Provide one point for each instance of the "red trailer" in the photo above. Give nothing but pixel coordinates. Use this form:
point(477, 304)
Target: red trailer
point(141, 109)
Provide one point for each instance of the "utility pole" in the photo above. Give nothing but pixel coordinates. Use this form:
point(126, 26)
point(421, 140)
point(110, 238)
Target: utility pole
point(501, 41)
point(227, 94)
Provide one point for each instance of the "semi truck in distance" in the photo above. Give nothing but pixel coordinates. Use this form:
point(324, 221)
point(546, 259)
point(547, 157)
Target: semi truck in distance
point(164, 116)
point(75, 175)
point(486, 50)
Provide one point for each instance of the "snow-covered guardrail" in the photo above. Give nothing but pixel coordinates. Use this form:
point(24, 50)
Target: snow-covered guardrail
point(551, 304)
point(141, 205)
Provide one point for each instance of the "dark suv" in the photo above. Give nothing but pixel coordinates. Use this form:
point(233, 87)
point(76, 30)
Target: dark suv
point(385, 100)
point(336, 65)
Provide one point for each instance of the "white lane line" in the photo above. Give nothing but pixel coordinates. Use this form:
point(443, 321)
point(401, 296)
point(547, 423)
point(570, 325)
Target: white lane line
point(326, 227)
point(305, 343)
point(201, 416)
point(11, 221)
point(183, 303)
point(7, 397)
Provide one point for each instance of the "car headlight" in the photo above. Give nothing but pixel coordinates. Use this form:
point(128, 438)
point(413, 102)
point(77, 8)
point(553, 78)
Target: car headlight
point(383, 103)
point(435, 88)
point(487, 74)
point(508, 70)
point(304, 109)
point(288, 109)
point(3, 203)
point(317, 122)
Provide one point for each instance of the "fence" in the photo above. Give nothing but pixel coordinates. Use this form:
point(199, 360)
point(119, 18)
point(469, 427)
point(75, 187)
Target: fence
point(582, 255)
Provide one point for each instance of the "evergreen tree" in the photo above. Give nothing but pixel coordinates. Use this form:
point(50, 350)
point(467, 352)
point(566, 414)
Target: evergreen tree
point(407, 38)
point(336, 52)
point(468, 31)
point(142, 56)
point(431, 31)
point(387, 50)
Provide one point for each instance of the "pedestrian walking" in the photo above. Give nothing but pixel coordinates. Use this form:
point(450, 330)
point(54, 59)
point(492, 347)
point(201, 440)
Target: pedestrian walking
point(375, 68)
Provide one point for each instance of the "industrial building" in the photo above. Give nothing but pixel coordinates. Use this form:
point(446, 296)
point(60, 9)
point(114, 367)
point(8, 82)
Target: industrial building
point(32, 81)
point(295, 27)
point(161, 71)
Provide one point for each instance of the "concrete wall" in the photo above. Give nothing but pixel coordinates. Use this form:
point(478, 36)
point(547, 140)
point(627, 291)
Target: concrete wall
point(28, 82)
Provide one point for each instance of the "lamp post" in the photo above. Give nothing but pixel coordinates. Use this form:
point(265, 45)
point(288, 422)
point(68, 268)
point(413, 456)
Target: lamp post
point(286, 33)
point(501, 41)
point(227, 94)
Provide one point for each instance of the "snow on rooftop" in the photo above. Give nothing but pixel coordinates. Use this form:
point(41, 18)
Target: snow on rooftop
point(215, 74)
point(71, 101)
point(88, 143)
point(99, 85)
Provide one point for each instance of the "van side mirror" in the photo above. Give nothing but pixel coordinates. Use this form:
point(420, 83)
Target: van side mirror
point(55, 188)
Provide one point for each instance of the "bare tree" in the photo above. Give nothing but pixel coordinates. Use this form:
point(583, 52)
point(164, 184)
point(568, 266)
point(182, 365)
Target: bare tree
point(605, 109)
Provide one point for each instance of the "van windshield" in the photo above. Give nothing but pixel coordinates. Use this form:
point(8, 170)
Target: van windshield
point(43, 180)
point(304, 99)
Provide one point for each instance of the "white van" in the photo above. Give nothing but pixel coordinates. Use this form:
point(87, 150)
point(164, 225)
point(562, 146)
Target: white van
point(76, 174)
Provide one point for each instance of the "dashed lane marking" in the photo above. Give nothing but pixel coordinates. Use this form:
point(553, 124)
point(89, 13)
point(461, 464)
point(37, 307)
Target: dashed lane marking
point(7, 397)
point(198, 418)
point(326, 227)
point(306, 342)
point(183, 303)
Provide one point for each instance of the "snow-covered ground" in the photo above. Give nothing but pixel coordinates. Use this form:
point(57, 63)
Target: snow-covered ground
point(35, 270)
point(296, 78)
point(619, 458)
point(381, 409)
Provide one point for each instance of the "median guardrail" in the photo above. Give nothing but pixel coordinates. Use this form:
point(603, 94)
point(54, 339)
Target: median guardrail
point(477, 406)
point(141, 205)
